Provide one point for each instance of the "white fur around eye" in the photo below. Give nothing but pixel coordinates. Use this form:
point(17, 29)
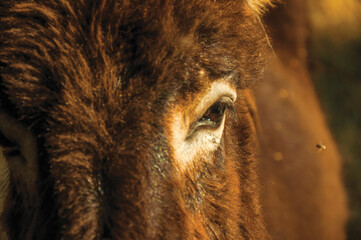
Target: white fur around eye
point(204, 141)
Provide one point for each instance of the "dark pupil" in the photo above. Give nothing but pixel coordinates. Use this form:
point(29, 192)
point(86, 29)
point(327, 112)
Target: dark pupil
point(214, 113)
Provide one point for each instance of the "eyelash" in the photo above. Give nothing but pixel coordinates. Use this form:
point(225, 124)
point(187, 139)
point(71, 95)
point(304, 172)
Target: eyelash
point(214, 115)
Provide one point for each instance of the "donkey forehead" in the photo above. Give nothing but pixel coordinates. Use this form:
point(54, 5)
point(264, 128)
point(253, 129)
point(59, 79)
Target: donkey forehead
point(179, 47)
point(98, 52)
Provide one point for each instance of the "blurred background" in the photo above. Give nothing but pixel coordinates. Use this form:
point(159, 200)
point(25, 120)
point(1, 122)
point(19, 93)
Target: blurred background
point(335, 64)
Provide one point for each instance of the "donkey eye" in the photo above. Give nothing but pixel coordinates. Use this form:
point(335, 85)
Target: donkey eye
point(198, 129)
point(214, 115)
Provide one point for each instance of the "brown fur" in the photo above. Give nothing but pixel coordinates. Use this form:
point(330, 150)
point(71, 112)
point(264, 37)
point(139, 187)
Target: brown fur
point(94, 81)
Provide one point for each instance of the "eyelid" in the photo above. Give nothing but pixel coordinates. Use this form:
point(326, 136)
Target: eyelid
point(227, 101)
point(230, 107)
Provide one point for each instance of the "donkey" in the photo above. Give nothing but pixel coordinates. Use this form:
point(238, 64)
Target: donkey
point(131, 119)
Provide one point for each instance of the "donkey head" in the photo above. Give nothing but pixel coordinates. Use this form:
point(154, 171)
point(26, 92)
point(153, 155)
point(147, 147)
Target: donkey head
point(130, 119)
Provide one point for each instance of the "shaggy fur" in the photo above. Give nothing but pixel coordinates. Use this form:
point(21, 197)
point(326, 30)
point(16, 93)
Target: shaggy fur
point(94, 81)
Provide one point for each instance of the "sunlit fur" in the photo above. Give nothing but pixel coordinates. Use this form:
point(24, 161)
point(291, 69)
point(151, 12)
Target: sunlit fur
point(94, 81)
point(303, 192)
point(260, 6)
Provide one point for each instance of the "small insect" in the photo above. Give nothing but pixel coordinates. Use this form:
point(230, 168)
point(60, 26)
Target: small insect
point(320, 146)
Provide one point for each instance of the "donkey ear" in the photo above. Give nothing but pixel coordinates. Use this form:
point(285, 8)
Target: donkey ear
point(260, 6)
